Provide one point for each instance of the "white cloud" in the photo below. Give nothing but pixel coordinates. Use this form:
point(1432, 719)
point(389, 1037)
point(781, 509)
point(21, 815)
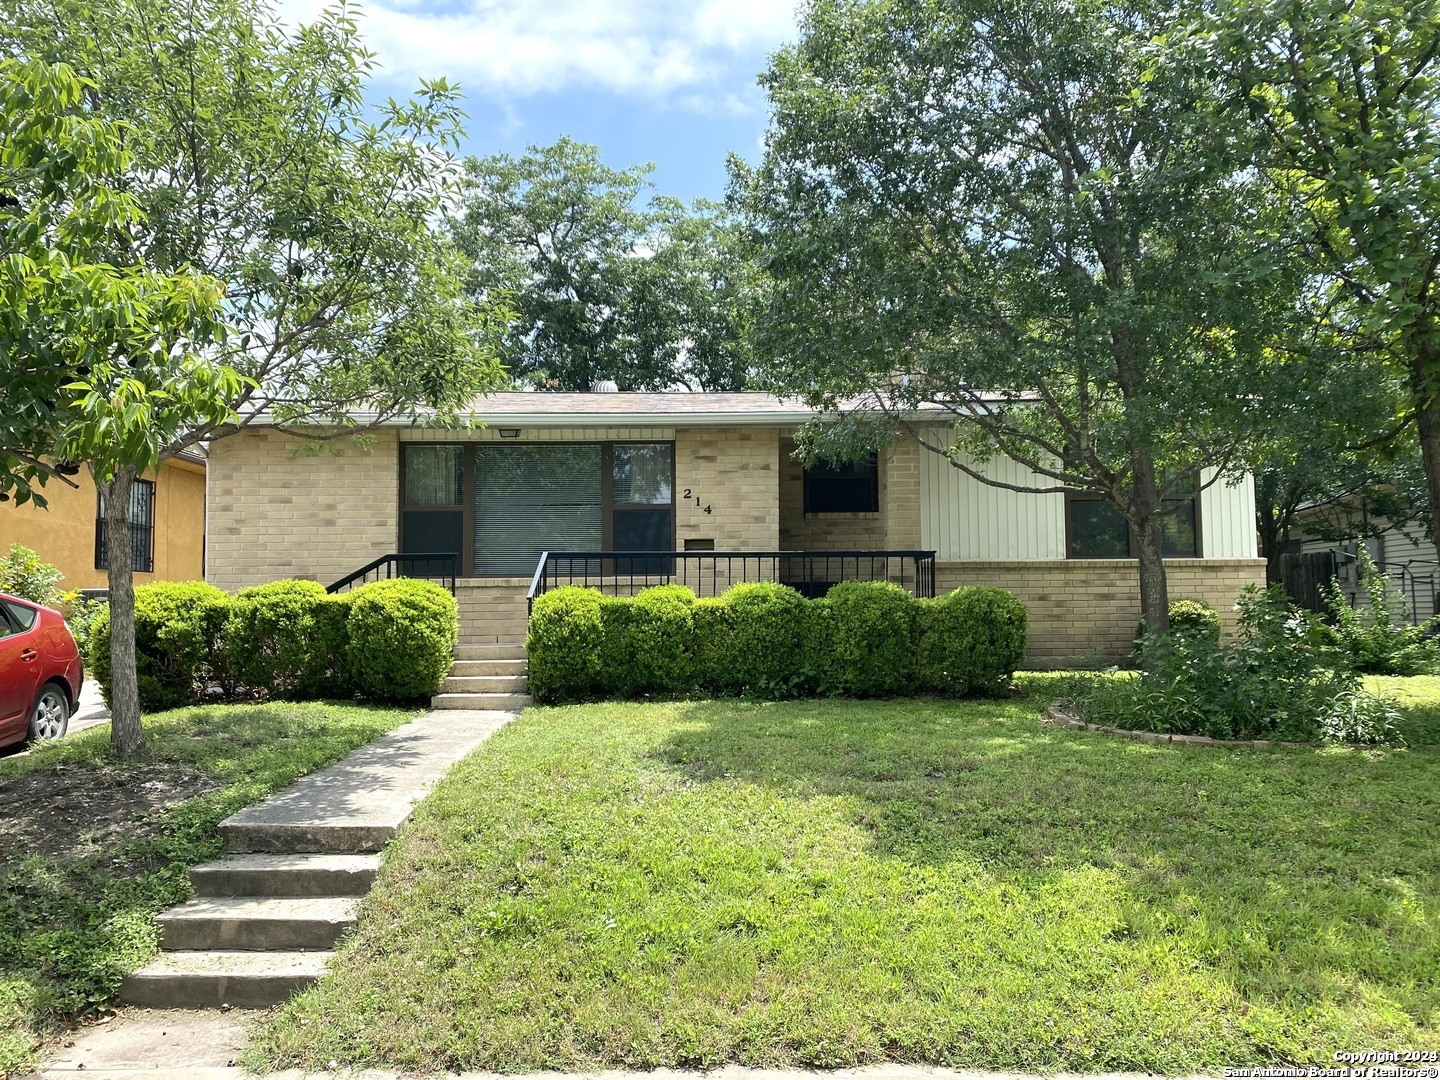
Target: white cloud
point(648, 48)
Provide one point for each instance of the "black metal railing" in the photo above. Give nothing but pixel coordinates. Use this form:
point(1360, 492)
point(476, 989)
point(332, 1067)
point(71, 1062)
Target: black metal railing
point(441, 567)
point(709, 573)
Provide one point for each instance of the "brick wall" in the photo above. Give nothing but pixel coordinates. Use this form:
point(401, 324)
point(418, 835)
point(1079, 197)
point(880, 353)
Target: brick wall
point(735, 472)
point(273, 514)
point(1084, 610)
point(492, 609)
point(820, 532)
point(900, 495)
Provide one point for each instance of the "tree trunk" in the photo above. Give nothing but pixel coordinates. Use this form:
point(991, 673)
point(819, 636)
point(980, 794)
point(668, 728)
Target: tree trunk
point(127, 737)
point(1267, 524)
point(1427, 420)
point(1144, 517)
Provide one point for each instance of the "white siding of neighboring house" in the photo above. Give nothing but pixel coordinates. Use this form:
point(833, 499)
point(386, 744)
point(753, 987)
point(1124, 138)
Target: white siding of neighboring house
point(1405, 554)
point(962, 518)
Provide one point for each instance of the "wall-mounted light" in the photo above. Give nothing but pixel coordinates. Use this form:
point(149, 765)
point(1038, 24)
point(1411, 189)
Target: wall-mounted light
point(509, 432)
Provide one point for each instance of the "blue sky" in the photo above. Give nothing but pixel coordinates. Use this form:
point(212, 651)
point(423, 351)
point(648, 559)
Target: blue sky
point(645, 80)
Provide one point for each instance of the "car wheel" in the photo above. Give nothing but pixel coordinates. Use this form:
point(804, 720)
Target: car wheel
point(51, 715)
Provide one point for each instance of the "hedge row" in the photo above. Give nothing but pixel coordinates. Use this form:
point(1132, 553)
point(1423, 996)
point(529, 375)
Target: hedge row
point(390, 640)
point(864, 639)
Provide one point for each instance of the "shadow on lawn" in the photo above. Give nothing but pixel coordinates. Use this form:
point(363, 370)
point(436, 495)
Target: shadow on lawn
point(1300, 872)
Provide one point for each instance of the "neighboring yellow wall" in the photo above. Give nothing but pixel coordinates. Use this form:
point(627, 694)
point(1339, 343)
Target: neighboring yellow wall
point(63, 532)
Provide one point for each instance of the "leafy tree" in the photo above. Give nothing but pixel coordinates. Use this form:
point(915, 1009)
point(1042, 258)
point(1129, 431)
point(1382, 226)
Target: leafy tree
point(1346, 99)
point(103, 354)
point(604, 287)
point(1019, 217)
point(254, 159)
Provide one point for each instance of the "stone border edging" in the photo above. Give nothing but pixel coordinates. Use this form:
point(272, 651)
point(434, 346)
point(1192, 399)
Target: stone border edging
point(1058, 716)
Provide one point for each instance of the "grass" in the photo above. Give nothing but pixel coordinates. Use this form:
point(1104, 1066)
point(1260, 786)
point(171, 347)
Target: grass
point(91, 848)
point(832, 883)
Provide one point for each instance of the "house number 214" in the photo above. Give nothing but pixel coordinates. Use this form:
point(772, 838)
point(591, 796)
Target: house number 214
point(690, 494)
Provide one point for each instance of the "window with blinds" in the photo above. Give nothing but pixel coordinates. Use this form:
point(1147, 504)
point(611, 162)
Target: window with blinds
point(531, 498)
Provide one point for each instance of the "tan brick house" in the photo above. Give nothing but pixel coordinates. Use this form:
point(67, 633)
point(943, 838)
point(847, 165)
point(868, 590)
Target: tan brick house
point(692, 473)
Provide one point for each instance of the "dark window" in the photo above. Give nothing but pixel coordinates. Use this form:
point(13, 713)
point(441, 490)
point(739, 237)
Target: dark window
point(142, 529)
point(846, 488)
point(642, 503)
point(1099, 531)
point(534, 497)
point(432, 501)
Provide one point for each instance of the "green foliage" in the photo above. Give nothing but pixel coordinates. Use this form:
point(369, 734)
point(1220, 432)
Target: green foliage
point(648, 642)
point(873, 639)
point(80, 889)
point(179, 643)
point(81, 615)
point(562, 645)
point(765, 640)
point(603, 287)
point(341, 292)
point(825, 884)
point(402, 638)
point(770, 642)
point(1376, 638)
point(24, 574)
point(1277, 680)
point(1189, 618)
point(971, 639)
point(288, 639)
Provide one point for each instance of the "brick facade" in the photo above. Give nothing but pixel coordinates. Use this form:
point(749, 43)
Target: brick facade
point(1086, 610)
point(736, 473)
point(273, 513)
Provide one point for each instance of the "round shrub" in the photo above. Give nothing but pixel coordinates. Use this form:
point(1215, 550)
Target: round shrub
point(402, 638)
point(1190, 618)
point(710, 658)
point(872, 638)
point(563, 644)
point(287, 639)
point(772, 647)
point(971, 639)
point(179, 643)
point(647, 642)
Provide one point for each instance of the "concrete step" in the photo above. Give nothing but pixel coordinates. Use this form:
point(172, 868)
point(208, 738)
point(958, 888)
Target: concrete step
point(472, 668)
point(505, 651)
point(286, 875)
point(251, 922)
point(485, 684)
point(482, 702)
point(208, 979)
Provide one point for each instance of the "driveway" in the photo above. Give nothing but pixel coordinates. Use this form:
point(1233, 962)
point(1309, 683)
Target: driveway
point(92, 710)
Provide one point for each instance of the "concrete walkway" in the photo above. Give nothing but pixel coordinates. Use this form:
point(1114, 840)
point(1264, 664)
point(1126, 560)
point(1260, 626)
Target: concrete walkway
point(207, 1046)
point(265, 917)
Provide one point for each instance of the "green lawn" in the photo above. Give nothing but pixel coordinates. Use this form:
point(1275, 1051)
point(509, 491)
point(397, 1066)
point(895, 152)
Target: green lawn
point(91, 849)
point(827, 883)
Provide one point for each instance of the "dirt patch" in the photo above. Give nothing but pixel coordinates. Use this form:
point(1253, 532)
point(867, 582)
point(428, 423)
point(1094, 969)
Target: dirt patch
point(75, 813)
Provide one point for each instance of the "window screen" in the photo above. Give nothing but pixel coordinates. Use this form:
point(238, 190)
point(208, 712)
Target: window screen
point(534, 498)
point(846, 488)
point(1097, 530)
point(432, 498)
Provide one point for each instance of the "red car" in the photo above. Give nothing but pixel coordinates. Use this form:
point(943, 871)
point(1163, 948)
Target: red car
point(40, 672)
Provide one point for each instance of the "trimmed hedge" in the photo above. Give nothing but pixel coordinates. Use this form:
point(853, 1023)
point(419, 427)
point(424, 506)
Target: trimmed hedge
point(972, 639)
point(179, 643)
point(1190, 618)
point(865, 639)
point(388, 641)
point(402, 638)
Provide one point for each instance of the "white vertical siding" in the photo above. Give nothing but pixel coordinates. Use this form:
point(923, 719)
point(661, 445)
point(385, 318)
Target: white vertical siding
point(1227, 518)
point(961, 518)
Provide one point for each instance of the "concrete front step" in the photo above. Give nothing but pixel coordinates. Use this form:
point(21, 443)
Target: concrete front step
point(485, 684)
point(207, 979)
point(484, 702)
point(472, 668)
point(257, 922)
point(286, 875)
point(509, 651)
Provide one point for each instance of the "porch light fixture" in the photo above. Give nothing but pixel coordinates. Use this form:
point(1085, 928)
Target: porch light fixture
point(509, 432)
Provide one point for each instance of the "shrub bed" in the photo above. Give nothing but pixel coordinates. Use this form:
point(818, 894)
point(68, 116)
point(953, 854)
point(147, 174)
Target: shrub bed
point(865, 639)
point(387, 641)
